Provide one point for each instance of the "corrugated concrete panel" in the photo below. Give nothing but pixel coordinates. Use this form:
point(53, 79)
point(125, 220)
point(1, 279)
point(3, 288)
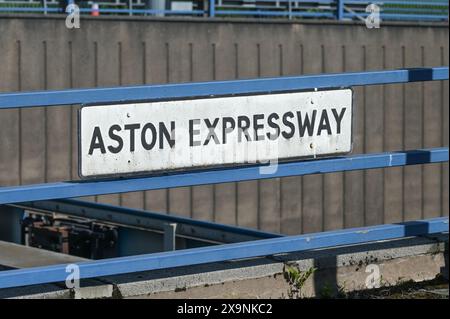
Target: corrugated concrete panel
point(354, 181)
point(312, 187)
point(393, 137)
point(40, 145)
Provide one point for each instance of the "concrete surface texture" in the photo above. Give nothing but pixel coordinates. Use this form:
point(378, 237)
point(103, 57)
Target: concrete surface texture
point(19, 256)
point(38, 145)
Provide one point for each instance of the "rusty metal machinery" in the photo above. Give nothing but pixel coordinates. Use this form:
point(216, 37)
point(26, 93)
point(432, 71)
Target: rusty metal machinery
point(74, 236)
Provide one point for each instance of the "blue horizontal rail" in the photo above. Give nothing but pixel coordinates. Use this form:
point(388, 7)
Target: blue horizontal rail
point(218, 88)
point(146, 11)
point(399, 2)
point(30, 9)
point(330, 9)
point(189, 257)
point(34, 192)
point(277, 13)
point(398, 16)
point(298, 1)
point(101, 10)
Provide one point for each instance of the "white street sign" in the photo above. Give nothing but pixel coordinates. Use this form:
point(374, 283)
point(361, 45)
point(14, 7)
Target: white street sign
point(137, 138)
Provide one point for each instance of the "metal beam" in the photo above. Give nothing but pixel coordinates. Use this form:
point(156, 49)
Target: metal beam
point(188, 257)
point(340, 9)
point(35, 192)
point(212, 8)
point(217, 88)
point(170, 230)
point(186, 227)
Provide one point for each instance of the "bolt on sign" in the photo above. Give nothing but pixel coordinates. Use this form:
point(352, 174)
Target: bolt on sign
point(139, 138)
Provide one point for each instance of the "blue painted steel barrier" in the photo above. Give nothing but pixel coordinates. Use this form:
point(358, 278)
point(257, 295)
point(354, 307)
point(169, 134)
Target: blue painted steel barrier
point(340, 9)
point(217, 88)
point(195, 256)
point(212, 8)
point(426, 10)
point(17, 194)
point(26, 193)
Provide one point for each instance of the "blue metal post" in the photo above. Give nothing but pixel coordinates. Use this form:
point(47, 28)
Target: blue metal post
point(212, 8)
point(340, 9)
point(290, 8)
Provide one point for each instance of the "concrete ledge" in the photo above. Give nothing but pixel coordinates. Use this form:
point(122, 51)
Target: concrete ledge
point(337, 269)
point(94, 292)
point(324, 283)
point(48, 291)
point(341, 268)
point(19, 256)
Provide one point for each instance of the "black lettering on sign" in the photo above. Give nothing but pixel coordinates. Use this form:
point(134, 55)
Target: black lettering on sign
point(243, 128)
point(193, 132)
point(289, 124)
point(338, 118)
point(228, 126)
point(265, 126)
point(306, 124)
point(97, 141)
point(274, 125)
point(324, 123)
point(145, 144)
point(116, 138)
point(211, 133)
point(132, 128)
point(164, 133)
point(257, 126)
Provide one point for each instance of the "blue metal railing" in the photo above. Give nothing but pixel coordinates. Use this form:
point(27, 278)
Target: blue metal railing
point(17, 194)
point(426, 10)
point(38, 192)
point(195, 256)
point(206, 89)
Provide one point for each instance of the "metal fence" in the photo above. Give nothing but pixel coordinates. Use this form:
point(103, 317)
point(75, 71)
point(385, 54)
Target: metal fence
point(17, 195)
point(416, 10)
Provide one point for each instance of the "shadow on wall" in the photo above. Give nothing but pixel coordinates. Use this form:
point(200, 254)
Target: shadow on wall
point(444, 270)
point(326, 283)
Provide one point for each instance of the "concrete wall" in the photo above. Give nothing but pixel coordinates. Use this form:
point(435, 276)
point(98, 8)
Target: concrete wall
point(40, 145)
